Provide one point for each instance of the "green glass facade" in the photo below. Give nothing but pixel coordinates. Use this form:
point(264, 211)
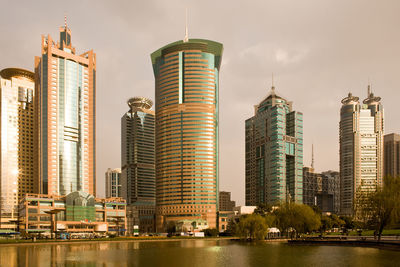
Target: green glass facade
point(274, 153)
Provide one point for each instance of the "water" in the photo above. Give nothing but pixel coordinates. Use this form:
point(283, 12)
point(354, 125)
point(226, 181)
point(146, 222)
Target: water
point(193, 253)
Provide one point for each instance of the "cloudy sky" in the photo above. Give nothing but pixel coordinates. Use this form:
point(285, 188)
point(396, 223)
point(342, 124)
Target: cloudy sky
point(317, 50)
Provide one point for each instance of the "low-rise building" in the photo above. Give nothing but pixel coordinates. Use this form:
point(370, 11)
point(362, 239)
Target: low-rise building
point(321, 190)
point(225, 202)
point(77, 212)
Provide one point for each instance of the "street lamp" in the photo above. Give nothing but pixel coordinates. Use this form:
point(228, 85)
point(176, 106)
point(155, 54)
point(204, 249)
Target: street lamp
point(54, 222)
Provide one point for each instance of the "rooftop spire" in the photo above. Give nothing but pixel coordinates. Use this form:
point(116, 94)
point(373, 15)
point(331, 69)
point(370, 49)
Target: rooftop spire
point(272, 81)
point(312, 156)
point(65, 21)
point(369, 88)
point(186, 39)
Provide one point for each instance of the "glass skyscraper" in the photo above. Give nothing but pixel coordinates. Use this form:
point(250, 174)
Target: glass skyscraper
point(17, 128)
point(274, 153)
point(65, 82)
point(361, 148)
point(186, 82)
point(138, 163)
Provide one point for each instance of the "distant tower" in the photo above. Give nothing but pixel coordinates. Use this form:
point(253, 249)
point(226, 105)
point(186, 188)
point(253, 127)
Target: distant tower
point(113, 183)
point(17, 142)
point(65, 82)
point(361, 148)
point(274, 152)
point(138, 161)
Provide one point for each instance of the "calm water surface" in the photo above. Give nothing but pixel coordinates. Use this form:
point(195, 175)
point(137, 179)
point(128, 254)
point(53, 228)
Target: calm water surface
point(194, 253)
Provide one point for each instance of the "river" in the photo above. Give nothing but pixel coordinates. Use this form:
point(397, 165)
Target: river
point(193, 253)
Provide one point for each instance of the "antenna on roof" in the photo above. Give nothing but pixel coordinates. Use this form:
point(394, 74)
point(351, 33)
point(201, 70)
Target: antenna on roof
point(369, 88)
point(186, 39)
point(312, 156)
point(273, 86)
point(65, 21)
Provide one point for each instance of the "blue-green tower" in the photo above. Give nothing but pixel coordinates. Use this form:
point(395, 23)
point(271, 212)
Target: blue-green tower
point(274, 152)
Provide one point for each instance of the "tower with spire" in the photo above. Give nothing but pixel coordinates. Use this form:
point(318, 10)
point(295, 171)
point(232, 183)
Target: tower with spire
point(274, 152)
point(65, 90)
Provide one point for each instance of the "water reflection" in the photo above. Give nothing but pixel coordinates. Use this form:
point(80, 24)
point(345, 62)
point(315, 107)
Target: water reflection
point(192, 253)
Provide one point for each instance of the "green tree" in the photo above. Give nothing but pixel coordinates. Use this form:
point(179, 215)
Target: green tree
point(211, 232)
point(298, 217)
point(263, 209)
point(382, 207)
point(171, 228)
point(253, 227)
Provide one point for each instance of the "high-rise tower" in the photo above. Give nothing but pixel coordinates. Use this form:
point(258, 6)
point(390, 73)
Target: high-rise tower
point(138, 162)
point(361, 148)
point(392, 155)
point(274, 152)
point(66, 91)
point(17, 128)
point(113, 183)
point(187, 81)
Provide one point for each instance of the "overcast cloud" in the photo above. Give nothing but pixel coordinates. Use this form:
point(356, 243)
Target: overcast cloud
point(317, 50)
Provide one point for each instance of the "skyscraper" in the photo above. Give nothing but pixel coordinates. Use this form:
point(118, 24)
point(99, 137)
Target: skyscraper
point(187, 81)
point(138, 162)
point(361, 148)
point(66, 91)
point(392, 155)
point(17, 127)
point(113, 183)
point(225, 202)
point(274, 152)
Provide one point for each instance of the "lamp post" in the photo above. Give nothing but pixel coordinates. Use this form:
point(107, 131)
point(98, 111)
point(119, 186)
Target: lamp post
point(54, 222)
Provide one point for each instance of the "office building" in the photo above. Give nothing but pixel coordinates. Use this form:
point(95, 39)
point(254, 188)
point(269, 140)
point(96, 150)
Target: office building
point(17, 128)
point(225, 202)
point(138, 163)
point(78, 213)
point(187, 82)
point(274, 152)
point(113, 183)
point(361, 148)
point(392, 155)
point(65, 84)
point(321, 190)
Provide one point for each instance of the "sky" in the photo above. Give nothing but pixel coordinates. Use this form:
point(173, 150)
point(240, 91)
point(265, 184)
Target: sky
point(318, 51)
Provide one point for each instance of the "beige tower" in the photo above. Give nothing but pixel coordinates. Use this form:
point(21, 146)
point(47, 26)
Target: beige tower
point(16, 142)
point(66, 96)
point(361, 148)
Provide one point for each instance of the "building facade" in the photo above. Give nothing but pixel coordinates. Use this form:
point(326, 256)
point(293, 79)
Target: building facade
point(113, 183)
point(186, 82)
point(392, 155)
point(274, 153)
point(361, 148)
point(77, 212)
point(66, 91)
point(321, 190)
point(138, 163)
point(17, 128)
point(225, 202)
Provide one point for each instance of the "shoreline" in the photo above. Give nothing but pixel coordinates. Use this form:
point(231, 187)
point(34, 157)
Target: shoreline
point(94, 241)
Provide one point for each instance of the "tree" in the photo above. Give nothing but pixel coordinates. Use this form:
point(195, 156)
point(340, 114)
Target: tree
point(263, 209)
point(211, 232)
point(326, 223)
point(253, 227)
point(171, 228)
point(298, 217)
point(380, 208)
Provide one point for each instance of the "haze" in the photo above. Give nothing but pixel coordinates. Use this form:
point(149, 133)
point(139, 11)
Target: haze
point(317, 50)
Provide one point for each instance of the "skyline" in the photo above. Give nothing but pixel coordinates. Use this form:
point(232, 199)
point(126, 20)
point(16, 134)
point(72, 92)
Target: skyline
point(340, 66)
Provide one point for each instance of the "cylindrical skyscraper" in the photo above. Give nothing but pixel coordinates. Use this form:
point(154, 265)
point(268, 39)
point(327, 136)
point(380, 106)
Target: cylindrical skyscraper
point(186, 82)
